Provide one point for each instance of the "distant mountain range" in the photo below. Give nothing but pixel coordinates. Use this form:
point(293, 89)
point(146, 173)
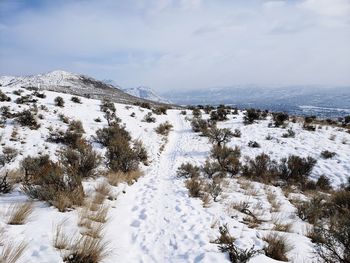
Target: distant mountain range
point(322, 101)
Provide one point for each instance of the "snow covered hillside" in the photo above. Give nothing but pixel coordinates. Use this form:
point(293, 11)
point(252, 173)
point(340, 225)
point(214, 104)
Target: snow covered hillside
point(146, 93)
point(67, 82)
point(157, 209)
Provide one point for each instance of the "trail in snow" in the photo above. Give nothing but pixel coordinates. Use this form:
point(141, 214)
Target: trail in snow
point(166, 225)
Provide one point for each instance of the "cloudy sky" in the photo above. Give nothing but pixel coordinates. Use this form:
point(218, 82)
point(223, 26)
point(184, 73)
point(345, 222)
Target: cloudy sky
point(180, 44)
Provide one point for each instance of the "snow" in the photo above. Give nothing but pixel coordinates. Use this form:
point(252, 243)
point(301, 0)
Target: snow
point(154, 220)
point(146, 93)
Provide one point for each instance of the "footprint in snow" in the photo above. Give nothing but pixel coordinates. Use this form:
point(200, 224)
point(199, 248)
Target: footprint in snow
point(135, 223)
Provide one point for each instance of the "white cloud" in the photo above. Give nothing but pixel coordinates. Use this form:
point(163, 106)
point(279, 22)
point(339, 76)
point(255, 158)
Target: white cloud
point(172, 44)
point(328, 7)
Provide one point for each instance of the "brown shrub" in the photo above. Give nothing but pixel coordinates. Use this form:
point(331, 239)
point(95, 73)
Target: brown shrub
point(187, 170)
point(164, 128)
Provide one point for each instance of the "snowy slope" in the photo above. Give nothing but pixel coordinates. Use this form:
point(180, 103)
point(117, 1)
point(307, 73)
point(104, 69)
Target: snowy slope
point(146, 93)
point(154, 220)
point(66, 82)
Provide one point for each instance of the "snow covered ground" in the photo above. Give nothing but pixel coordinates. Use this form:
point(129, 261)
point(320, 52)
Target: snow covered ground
point(155, 220)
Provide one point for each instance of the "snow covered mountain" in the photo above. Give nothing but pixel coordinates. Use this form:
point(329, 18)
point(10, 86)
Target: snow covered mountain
point(146, 93)
point(67, 82)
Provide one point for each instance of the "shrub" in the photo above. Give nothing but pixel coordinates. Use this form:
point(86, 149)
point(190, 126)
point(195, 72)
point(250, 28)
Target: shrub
point(277, 247)
point(49, 183)
point(219, 136)
point(109, 112)
point(211, 169)
point(39, 95)
point(214, 189)
point(289, 134)
point(199, 125)
point(75, 99)
point(120, 156)
point(81, 161)
point(327, 154)
point(333, 243)
point(219, 115)
point(5, 185)
point(59, 101)
point(25, 99)
point(237, 133)
point(197, 113)
point(296, 169)
point(183, 112)
point(195, 187)
point(309, 127)
point(27, 118)
point(8, 154)
point(140, 151)
point(261, 169)
point(107, 135)
point(227, 158)
point(323, 183)
point(250, 116)
point(5, 112)
point(253, 144)
point(164, 128)
point(279, 118)
point(312, 210)
point(226, 245)
point(4, 97)
point(145, 105)
point(160, 110)
point(188, 170)
point(149, 118)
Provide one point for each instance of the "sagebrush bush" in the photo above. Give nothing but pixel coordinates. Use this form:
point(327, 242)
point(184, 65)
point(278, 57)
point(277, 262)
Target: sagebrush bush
point(289, 134)
point(4, 97)
point(333, 242)
point(251, 115)
point(219, 115)
point(160, 110)
point(107, 135)
point(149, 118)
point(227, 158)
point(76, 99)
point(197, 113)
point(164, 128)
point(219, 136)
point(8, 154)
point(253, 144)
point(195, 187)
point(199, 125)
point(279, 118)
point(5, 184)
point(211, 169)
point(296, 169)
point(261, 169)
point(47, 181)
point(27, 118)
point(313, 210)
point(323, 183)
point(59, 101)
point(188, 170)
point(226, 245)
point(327, 154)
point(25, 99)
point(109, 110)
point(81, 160)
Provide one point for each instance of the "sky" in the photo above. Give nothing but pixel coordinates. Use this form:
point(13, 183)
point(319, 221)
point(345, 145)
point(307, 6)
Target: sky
point(180, 44)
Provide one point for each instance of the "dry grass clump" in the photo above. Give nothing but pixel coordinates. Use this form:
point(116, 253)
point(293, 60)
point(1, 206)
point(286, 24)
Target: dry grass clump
point(12, 252)
point(60, 239)
point(114, 178)
point(87, 250)
point(19, 213)
point(277, 247)
point(272, 198)
point(281, 226)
